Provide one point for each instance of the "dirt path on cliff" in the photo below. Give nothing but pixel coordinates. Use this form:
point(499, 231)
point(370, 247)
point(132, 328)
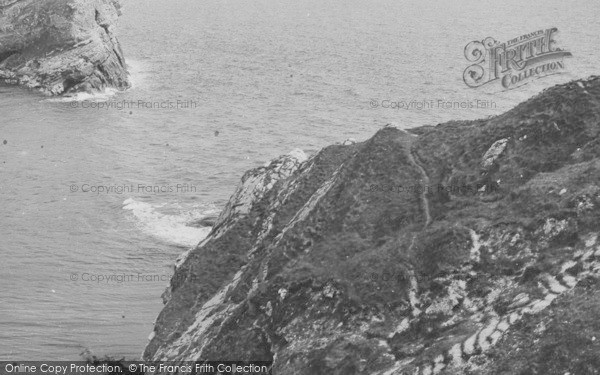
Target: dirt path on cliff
point(413, 291)
point(424, 177)
point(425, 202)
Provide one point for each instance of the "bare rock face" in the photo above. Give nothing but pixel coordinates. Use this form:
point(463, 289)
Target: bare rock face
point(387, 256)
point(493, 153)
point(61, 46)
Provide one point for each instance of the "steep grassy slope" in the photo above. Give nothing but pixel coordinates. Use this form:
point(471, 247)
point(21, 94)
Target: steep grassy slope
point(428, 251)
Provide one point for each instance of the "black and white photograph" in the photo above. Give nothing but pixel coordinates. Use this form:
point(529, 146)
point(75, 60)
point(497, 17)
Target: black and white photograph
point(339, 187)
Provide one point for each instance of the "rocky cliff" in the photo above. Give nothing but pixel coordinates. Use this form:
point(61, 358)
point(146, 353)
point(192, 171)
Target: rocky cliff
point(61, 46)
point(470, 247)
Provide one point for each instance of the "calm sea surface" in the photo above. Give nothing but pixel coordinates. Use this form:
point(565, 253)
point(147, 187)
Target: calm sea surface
point(83, 269)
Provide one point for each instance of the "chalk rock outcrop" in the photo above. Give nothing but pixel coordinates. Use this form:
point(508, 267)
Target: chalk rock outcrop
point(61, 46)
point(387, 256)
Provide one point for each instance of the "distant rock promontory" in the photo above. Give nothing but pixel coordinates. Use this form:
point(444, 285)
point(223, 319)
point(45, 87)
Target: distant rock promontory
point(61, 46)
point(470, 247)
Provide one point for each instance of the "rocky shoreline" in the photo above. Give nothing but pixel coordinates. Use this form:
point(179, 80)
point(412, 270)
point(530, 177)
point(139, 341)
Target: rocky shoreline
point(61, 46)
point(315, 265)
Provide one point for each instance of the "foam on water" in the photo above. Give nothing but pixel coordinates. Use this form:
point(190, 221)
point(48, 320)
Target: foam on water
point(101, 96)
point(137, 72)
point(170, 228)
